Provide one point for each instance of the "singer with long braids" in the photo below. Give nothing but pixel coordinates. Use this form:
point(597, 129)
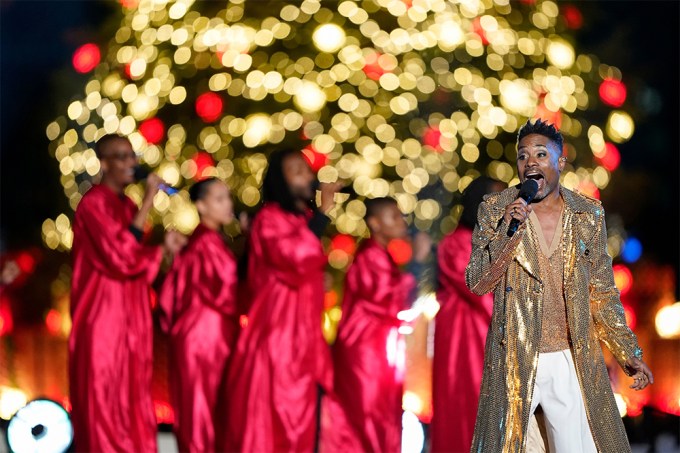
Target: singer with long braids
point(554, 302)
point(110, 347)
point(281, 358)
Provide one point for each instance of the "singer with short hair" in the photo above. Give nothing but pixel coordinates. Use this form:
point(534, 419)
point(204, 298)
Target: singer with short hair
point(554, 302)
point(110, 347)
point(199, 311)
point(281, 358)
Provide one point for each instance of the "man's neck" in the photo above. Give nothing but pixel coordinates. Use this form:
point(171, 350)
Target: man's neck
point(116, 188)
point(551, 202)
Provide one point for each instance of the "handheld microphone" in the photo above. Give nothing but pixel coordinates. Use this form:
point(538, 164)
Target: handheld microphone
point(527, 192)
point(349, 190)
point(142, 173)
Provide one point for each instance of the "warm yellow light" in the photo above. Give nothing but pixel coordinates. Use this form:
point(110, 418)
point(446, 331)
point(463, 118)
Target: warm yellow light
point(561, 54)
point(11, 400)
point(309, 97)
point(620, 126)
point(621, 404)
point(257, 130)
point(518, 96)
point(412, 402)
point(329, 38)
point(667, 321)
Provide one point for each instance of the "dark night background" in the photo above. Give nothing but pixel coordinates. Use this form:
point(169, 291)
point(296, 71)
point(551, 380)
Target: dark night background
point(37, 83)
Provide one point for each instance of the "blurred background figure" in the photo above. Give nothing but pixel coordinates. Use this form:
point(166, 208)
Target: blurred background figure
point(199, 311)
point(366, 355)
point(10, 271)
point(460, 332)
point(111, 342)
point(281, 357)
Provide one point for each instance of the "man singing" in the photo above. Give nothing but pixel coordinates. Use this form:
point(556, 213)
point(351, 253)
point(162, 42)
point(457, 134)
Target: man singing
point(110, 348)
point(554, 301)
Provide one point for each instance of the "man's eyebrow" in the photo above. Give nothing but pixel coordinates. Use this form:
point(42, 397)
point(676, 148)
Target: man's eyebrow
point(535, 146)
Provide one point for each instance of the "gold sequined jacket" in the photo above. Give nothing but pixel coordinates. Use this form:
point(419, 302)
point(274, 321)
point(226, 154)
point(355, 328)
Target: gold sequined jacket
point(509, 267)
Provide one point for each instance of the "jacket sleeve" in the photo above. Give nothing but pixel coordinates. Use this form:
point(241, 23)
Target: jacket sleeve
point(605, 303)
point(492, 250)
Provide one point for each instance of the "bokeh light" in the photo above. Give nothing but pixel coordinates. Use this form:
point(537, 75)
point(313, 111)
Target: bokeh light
point(401, 99)
point(86, 58)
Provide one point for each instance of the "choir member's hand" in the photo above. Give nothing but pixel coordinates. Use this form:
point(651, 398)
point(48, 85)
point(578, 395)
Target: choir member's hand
point(174, 241)
point(518, 209)
point(422, 246)
point(328, 191)
point(153, 184)
point(640, 372)
point(10, 271)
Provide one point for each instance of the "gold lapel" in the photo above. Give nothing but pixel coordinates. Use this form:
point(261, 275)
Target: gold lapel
point(526, 252)
point(574, 246)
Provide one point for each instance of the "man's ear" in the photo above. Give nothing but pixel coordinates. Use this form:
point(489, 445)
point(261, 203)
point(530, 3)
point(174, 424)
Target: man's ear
point(200, 207)
point(373, 223)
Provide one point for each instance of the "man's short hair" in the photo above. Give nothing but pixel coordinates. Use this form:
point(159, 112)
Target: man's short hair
point(375, 205)
point(543, 128)
point(105, 140)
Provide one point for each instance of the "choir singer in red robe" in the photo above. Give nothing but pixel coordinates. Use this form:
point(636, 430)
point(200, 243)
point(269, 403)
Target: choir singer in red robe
point(460, 332)
point(281, 357)
point(368, 380)
point(110, 347)
point(198, 306)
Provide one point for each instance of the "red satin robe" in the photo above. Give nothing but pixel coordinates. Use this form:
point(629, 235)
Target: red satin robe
point(460, 331)
point(368, 379)
point(198, 302)
point(111, 343)
point(281, 356)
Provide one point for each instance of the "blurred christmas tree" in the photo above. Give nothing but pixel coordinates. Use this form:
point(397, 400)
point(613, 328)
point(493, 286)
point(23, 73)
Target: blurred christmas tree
point(408, 98)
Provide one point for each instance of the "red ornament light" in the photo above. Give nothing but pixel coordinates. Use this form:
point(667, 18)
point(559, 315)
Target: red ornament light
point(589, 189)
point(53, 322)
point(431, 138)
point(330, 299)
point(6, 319)
point(203, 162)
point(372, 68)
point(631, 317)
point(26, 262)
point(545, 114)
point(129, 4)
point(315, 159)
point(479, 30)
point(153, 130)
point(86, 58)
point(613, 92)
point(623, 278)
point(209, 106)
point(611, 158)
point(345, 243)
point(164, 412)
point(400, 250)
point(572, 17)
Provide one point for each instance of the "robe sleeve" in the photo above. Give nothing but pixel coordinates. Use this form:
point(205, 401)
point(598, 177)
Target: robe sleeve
point(492, 250)
point(607, 311)
point(116, 252)
point(292, 252)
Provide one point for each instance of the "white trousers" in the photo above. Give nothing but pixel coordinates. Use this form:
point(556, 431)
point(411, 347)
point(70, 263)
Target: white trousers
point(558, 392)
